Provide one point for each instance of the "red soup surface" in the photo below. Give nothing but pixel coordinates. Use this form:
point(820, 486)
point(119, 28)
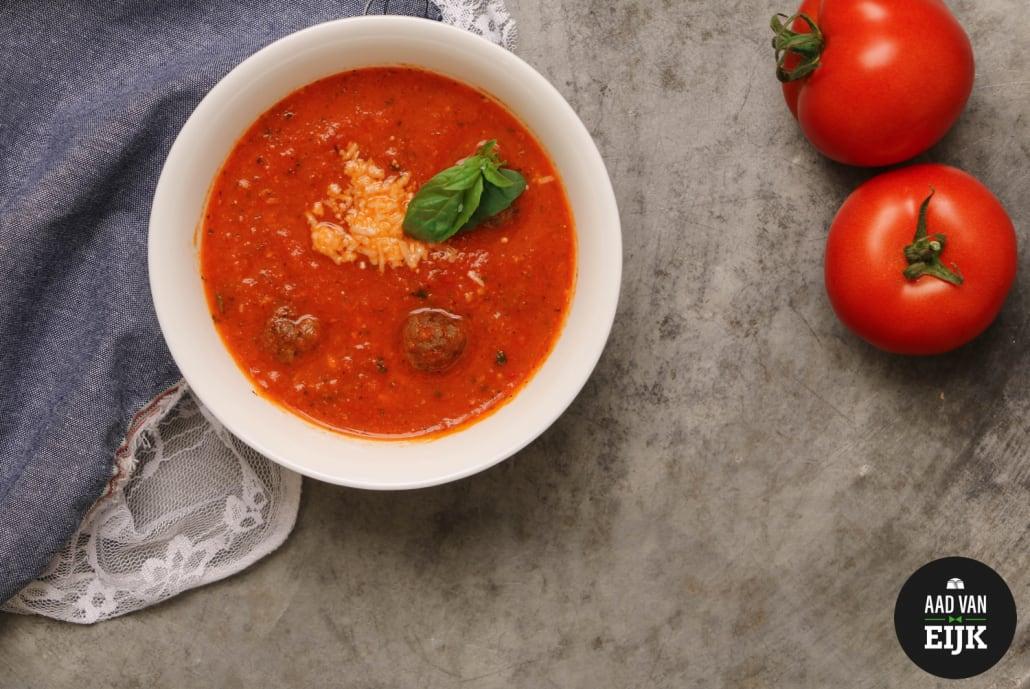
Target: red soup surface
point(335, 340)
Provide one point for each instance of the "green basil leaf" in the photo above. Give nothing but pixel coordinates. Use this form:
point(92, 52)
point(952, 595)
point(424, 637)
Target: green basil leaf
point(496, 199)
point(458, 177)
point(487, 151)
point(494, 176)
point(433, 212)
point(462, 196)
point(463, 179)
point(469, 205)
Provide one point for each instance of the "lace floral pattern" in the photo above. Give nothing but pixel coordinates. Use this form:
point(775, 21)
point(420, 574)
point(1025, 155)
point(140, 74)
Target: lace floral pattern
point(195, 506)
point(488, 18)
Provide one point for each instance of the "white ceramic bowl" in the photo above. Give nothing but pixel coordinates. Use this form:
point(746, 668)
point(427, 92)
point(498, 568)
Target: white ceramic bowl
point(206, 139)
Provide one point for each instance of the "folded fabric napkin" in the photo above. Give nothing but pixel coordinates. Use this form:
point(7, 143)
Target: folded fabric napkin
point(93, 94)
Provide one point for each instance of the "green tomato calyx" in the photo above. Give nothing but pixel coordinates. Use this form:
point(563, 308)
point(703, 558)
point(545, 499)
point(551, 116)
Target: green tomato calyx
point(924, 253)
point(807, 46)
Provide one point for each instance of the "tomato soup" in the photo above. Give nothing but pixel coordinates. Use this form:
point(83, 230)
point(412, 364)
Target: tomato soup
point(329, 326)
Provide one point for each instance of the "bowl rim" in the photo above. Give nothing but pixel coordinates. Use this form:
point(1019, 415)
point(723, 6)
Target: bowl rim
point(603, 319)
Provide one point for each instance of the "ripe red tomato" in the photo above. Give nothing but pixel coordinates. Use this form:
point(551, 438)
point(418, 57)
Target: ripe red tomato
point(969, 240)
point(891, 77)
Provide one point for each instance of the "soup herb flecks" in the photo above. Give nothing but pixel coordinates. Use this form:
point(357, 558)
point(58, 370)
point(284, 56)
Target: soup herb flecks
point(389, 253)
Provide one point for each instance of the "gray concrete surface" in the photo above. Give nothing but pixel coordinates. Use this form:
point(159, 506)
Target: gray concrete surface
point(742, 488)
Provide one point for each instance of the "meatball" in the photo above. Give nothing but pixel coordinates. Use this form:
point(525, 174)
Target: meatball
point(287, 337)
point(433, 339)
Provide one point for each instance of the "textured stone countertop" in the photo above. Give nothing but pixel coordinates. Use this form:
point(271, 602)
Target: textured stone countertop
point(738, 494)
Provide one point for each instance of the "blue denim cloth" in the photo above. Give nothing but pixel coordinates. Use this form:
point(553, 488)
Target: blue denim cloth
point(92, 94)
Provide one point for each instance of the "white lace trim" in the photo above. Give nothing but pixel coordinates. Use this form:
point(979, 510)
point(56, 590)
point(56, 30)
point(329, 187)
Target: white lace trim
point(199, 506)
point(487, 18)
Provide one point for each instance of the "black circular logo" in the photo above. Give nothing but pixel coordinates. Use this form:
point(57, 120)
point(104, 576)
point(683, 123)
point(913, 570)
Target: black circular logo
point(955, 617)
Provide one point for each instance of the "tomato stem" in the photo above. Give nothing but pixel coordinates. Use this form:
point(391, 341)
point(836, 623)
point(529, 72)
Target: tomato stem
point(807, 46)
point(924, 253)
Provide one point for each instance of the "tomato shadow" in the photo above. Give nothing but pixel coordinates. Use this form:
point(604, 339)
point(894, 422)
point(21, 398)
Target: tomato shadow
point(978, 372)
point(845, 177)
point(848, 177)
point(953, 149)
